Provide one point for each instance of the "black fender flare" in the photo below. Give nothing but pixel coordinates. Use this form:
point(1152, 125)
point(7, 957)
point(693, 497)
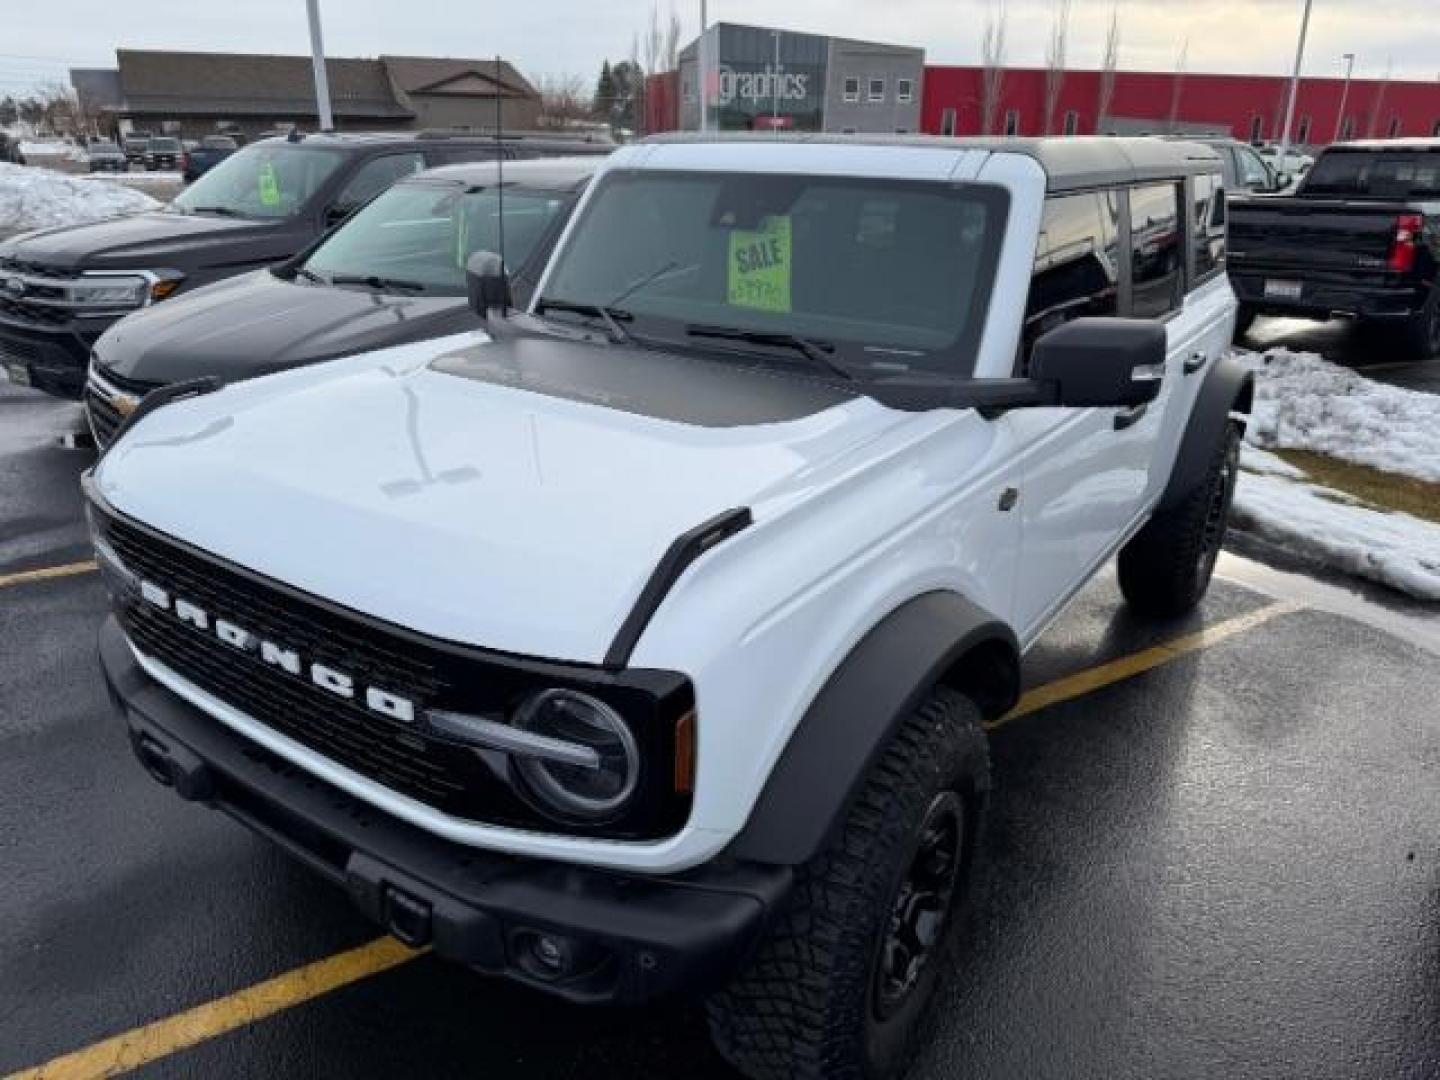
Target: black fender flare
point(934, 638)
point(1228, 388)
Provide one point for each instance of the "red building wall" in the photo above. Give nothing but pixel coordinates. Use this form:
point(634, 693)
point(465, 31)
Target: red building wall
point(662, 102)
point(1233, 102)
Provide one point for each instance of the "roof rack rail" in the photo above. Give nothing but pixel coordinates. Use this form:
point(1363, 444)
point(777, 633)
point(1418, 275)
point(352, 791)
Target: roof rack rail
point(490, 133)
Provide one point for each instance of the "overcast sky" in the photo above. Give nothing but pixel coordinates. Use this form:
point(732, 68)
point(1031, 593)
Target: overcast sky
point(560, 37)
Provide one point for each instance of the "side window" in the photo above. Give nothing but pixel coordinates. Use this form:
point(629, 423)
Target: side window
point(1076, 269)
point(1253, 173)
point(373, 177)
point(1156, 261)
point(1208, 224)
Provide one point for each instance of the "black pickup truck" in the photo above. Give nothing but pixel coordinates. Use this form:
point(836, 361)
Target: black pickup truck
point(61, 288)
point(1359, 239)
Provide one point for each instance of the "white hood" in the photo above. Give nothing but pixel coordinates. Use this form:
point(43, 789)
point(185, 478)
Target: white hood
point(476, 512)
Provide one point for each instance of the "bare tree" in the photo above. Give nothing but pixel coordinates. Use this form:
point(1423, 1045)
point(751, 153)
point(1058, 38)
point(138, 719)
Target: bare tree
point(1177, 86)
point(563, 100)
point(670, 53)
point(1055, 60)
point(1109, 65)
point(992, 51)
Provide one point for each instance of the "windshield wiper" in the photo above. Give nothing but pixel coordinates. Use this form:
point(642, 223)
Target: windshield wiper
point(817, 352)
point(310, 275)
point(219, 211)
point(374, 281)
point(610, 316)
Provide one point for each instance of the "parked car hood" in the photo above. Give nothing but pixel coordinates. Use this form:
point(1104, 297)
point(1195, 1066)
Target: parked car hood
point(515, 505)
point(153, 240)
point(258, 323)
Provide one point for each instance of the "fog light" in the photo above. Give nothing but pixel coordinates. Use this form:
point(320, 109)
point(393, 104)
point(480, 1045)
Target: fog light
point(548, 956)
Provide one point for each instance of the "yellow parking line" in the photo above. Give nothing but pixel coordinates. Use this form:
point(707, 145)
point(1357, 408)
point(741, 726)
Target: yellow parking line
point(24, 577)
point(1091, 679)
point(142, 1045)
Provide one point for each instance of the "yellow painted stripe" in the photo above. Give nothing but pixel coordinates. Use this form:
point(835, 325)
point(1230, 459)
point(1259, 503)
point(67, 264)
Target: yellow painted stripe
point(143, 1045)
point(1091, 679)
point(162, 1038)
point(24, 577)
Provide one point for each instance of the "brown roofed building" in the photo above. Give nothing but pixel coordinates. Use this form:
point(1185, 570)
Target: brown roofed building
point(195, 94)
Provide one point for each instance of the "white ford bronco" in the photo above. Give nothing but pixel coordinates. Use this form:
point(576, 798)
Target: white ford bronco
point(641, 643)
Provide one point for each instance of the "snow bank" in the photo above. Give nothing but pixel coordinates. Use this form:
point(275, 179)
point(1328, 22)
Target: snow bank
point(1303, 402)
point(1394, 549)
point(32, 198)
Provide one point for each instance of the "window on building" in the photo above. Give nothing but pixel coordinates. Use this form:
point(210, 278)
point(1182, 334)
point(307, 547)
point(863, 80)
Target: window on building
point(877, 90)
point(852, 88)
point(1347, 129)
point(1302, 135)
point(1072, 123)
point(687, 88)
point(902, 131)
point(1435, 130)
point(1076, 263)
point(1208, 221)
point(947, 122)
point(905, 91)
point(1156, 252)
point(1395, 126)
point(1257, 128)
point(1012, 122)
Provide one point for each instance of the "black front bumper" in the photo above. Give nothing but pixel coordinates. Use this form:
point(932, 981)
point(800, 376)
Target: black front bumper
point(53, 359)
point(620, 937)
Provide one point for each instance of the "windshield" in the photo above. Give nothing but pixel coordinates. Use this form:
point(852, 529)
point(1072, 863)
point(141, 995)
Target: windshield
point(164, 144)
point(1378, 174)
point(424, 233)
point(269, 180)
point(882, 275)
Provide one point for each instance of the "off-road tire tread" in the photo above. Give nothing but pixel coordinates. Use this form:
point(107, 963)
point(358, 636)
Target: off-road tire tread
point(796, 1010)
point(1158, 566)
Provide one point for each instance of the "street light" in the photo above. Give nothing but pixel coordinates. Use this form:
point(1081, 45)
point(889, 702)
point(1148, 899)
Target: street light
point(1294, 87)
point(1349, 59)
point(702, 60)
point(317, 57)
point(775, 84)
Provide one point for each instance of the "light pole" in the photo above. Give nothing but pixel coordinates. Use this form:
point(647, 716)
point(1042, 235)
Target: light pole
point(702, 61)
point(775, 85)
point(1349, 59)
point(317, 56)
point(1294, 87)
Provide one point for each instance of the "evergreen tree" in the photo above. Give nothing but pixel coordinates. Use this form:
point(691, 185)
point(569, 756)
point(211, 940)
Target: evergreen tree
point(604, 107)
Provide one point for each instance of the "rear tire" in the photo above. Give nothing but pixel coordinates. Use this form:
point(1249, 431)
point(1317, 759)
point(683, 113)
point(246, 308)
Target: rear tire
point(1166, 567)
point(838, 986)
point(1418, 337)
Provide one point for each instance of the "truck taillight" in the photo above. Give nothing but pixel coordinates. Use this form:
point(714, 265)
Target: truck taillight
point(1408, 228)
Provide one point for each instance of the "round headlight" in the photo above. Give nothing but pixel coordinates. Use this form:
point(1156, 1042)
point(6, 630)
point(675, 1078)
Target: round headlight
point(590, 792)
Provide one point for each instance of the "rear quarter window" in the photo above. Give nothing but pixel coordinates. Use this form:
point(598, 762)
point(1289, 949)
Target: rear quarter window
point(1207, 210)
point(1157, 249)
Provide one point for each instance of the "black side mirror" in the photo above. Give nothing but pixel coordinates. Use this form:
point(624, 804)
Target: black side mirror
point(1100, 363)
point(487, 284)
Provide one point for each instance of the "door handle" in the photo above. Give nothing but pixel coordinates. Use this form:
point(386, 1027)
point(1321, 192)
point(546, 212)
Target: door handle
point(1195, 361)
point(1130, 417)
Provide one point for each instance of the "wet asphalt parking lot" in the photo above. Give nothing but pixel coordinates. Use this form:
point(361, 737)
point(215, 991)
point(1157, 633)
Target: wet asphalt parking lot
point(1214, 850)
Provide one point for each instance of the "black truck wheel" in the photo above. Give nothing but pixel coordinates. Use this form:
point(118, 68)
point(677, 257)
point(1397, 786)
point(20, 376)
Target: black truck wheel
point(1419, 336)
point(1166, 567)
point(838, 986)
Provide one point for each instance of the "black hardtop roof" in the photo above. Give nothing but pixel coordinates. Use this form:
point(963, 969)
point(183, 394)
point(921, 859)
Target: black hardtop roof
point(1070, 163)
point(541, 174)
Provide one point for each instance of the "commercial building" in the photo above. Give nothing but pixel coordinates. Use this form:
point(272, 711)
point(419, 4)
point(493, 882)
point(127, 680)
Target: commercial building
point(193, 94)
point(765, 78)
point(1247, 107)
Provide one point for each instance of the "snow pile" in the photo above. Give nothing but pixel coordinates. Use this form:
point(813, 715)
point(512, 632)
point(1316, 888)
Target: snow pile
point(1394, 549)
point(33, 198)
point(1303, 402)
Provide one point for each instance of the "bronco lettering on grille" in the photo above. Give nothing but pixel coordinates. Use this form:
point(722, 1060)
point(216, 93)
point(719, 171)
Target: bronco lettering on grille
point(327, 678)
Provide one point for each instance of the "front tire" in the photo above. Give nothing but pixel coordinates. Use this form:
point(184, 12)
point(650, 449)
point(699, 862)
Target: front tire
point(1166, 567)
point(838, 985)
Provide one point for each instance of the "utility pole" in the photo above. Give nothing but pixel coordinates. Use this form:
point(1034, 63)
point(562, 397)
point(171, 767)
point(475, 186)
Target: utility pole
point(1349, 59)
point(702, 59)
point(317, 55)
point(1294, 87)
point(775, 85)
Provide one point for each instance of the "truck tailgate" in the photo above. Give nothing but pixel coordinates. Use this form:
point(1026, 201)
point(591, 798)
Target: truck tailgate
point(1280, 233)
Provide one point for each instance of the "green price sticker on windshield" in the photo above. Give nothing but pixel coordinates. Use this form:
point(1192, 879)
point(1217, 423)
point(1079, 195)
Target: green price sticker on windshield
point(269, 185)
point(759, 274)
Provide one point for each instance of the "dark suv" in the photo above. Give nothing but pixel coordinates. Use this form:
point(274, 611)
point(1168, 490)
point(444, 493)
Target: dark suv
point(60, 289)
point(163, 152)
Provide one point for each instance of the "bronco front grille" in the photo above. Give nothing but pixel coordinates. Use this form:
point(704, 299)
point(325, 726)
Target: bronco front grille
point(404, 757)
